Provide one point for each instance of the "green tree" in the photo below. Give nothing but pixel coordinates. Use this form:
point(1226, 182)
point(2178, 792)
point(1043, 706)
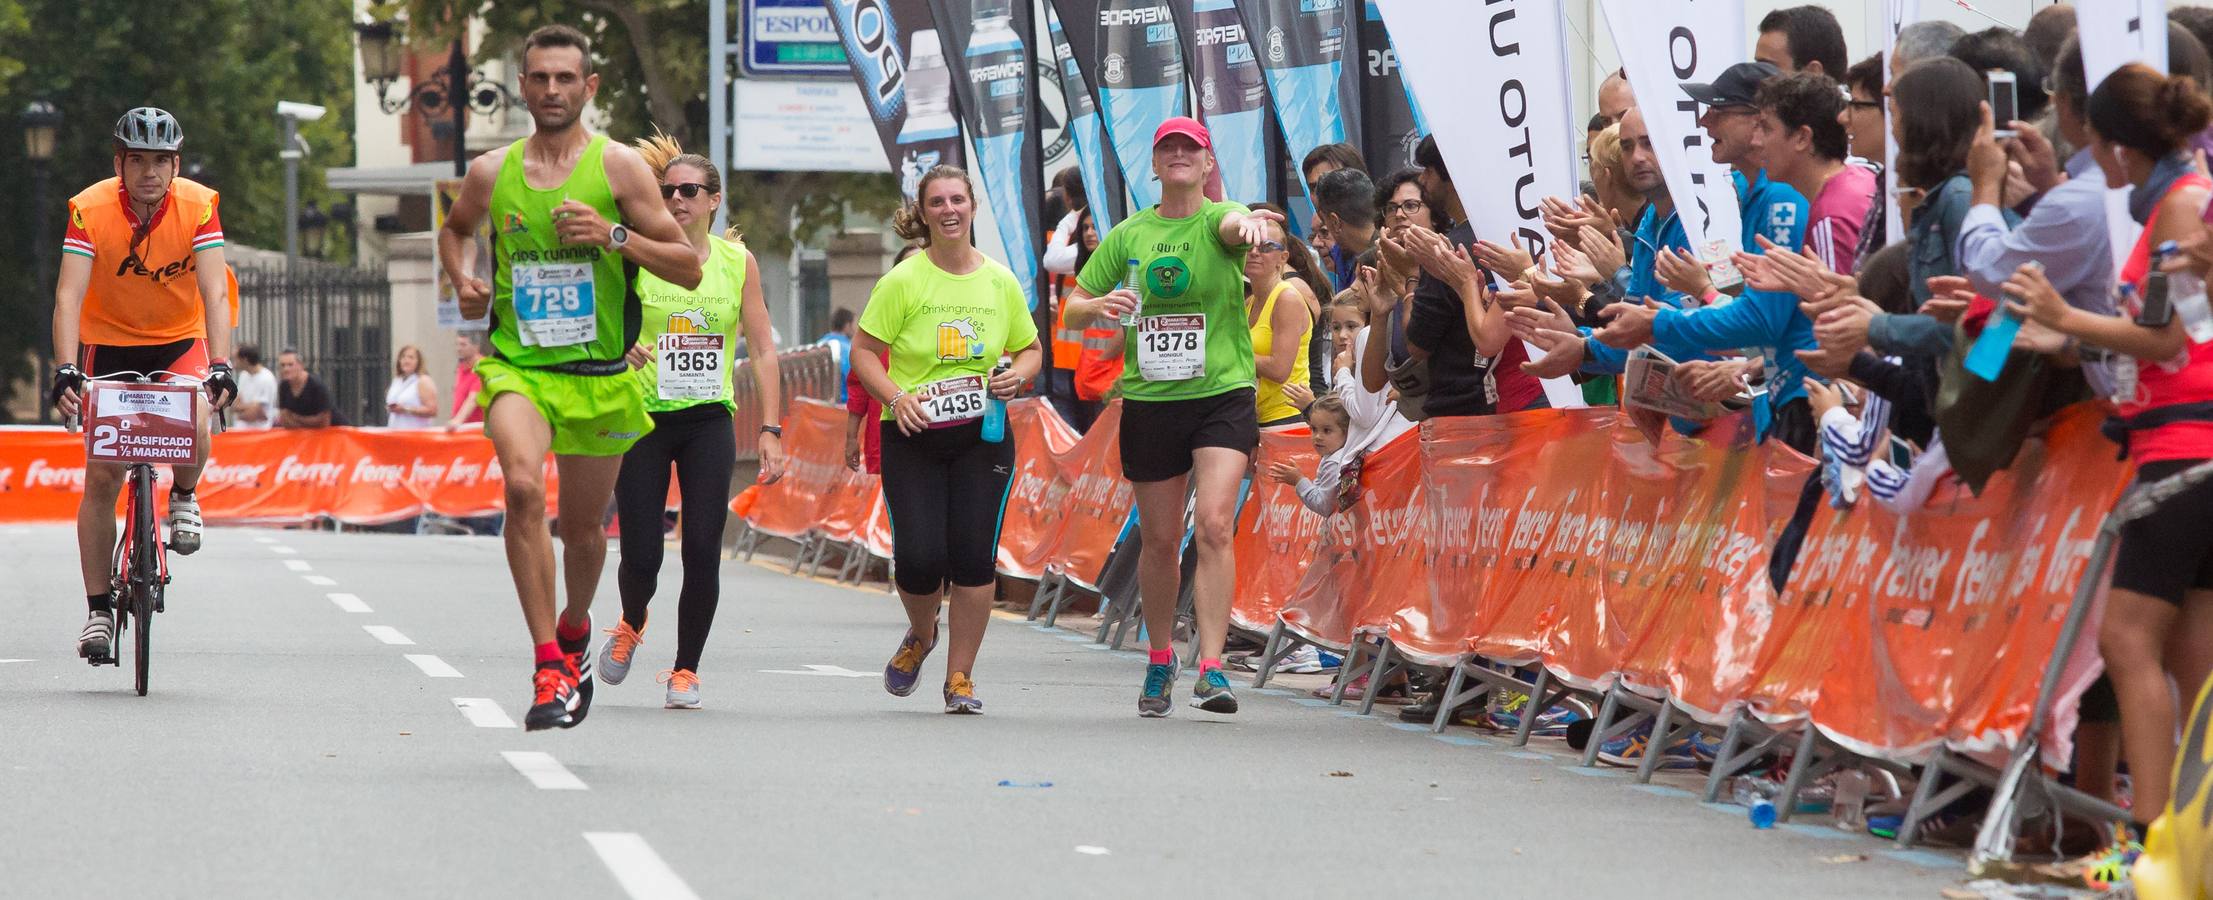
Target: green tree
point(221, 68)
point(648, 53)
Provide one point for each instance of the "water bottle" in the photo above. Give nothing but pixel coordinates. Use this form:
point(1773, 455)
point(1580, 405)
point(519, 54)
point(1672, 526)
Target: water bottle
point(1851, 800)
point(2186, 293)
point(1763, 814)
point(1134, 280)
point(995, 411)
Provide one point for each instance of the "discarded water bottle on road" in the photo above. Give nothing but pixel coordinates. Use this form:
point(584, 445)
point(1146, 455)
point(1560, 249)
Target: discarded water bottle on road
point(1134, 281)
point(1851, 800)
point(1763, 813)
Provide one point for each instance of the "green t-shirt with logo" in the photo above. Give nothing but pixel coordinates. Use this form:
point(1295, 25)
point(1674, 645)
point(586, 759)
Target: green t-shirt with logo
point(701, 328)
point(943, 326)
point(1189, 273)
point(554, 304)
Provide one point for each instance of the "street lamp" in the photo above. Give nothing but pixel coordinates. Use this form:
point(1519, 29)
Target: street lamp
point(451, 91)
point(314, 225)
point(40, 123)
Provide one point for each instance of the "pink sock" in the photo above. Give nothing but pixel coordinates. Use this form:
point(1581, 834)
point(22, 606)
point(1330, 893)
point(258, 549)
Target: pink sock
point(1161, 657)
point(549, 652)
point(565, 631)
point(1209, 665)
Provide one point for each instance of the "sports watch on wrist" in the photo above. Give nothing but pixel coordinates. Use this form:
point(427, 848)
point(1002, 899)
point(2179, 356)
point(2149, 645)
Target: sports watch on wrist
point(618, 236)
point(777, 430)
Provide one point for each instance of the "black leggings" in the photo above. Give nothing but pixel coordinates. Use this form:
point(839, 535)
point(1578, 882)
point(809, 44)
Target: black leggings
point(945, 489)
point(698, 440)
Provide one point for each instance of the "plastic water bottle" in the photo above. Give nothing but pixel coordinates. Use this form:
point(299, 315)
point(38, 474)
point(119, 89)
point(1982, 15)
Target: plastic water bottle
point(1763, 813)
point(995, 412)
point(1851, 800)
point(1133, 280)
point(2186, 292)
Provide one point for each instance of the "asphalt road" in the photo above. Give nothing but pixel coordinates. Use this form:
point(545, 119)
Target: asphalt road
point(331, 716)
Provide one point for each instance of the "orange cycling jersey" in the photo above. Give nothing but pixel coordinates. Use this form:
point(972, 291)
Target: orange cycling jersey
point(144, 289)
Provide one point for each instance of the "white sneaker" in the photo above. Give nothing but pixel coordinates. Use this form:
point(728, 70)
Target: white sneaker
point(94, 642)
point(184, 523)
point(1304, 661)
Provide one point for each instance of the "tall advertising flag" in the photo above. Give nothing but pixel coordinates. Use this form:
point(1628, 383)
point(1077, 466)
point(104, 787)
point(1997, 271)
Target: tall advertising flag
point(992, 69)
point(1233, 100)
point(1500, 112)
point(1391, 117)
point(1084, 128)
point(1664, 44)
point(902, 75)
point(1129, 51)
point(1301, 45)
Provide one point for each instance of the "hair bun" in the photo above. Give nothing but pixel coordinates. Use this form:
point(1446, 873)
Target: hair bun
point(2188, 109)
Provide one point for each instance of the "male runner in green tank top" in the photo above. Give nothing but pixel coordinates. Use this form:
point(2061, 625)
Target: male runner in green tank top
point(574, 218)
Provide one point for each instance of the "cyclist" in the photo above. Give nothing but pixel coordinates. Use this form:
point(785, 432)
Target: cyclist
point(686, 382)
point(574, 218)
point(1188, 411)
point(143, 288)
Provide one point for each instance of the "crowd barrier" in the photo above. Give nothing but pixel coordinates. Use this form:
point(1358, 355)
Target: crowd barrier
point(1565, 543)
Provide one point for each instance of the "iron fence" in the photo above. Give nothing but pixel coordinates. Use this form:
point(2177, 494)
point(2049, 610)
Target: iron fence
point(338, 318)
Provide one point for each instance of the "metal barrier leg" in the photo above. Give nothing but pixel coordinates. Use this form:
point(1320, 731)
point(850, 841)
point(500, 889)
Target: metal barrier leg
point(798, 557)
point(1664, 734)
point(1345, 671)
point(1267, 665)
point(1446, 701)
point(1925, 795)
point(1045, 583)
point(1378, 673)
point(1538, 703)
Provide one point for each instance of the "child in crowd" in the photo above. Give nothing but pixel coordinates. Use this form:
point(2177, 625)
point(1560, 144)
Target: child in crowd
point(1336, 483)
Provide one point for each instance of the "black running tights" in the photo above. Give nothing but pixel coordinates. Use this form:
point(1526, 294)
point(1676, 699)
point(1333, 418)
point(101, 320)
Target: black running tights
point(698, 441)
point(945, 489)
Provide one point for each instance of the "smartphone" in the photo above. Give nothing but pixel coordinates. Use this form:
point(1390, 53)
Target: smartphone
point(2005, 103)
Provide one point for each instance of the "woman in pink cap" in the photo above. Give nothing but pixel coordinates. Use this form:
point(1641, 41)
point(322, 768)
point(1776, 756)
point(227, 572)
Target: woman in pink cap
point(1173, 276)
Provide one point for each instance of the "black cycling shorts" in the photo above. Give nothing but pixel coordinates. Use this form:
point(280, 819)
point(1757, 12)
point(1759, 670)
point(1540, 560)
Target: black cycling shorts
point(945, 489)
point(2169, 553)
point(1159, 437)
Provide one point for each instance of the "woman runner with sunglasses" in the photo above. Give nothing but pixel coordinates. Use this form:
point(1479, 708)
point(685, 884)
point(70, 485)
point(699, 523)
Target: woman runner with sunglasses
point(682, 363)
point(1189, 418)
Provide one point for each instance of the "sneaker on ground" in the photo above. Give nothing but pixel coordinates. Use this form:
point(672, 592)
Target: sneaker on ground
point(960, 696)
point(1160, 680)
point(553, 692)
point(184, 523)
point(906, 664)
point(1212, 693)
point(97, 641)
point(1306, 660)
point(2111, 868)
point(683, 689)
point(614, 656)
point(579, 655)
point(1629, 750)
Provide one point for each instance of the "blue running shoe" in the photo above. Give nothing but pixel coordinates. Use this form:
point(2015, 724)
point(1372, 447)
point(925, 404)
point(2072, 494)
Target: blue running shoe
point(906, 665)
point(1628, 750)
point(1160, 680)
point(1212, 693)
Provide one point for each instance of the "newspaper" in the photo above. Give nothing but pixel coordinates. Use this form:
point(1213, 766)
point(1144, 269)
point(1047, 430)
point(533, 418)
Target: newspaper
point(1649, 383)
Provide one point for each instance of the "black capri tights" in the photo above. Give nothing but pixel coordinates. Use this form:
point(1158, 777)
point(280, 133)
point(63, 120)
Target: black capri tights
point(699, 442)
point(945, 488)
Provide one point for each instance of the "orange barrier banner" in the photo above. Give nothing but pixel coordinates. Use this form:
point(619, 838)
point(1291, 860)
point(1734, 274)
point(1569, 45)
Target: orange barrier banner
point(1370, 558)
point(814, 455)
point(1095, 499)
point(1031, 524)
point(361, 476)
point(1273, 527)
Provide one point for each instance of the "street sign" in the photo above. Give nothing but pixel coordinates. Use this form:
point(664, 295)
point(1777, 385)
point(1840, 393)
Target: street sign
point(790, 37)
point(802, 126)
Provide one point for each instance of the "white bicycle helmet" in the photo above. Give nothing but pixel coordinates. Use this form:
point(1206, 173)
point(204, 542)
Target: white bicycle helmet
point(147, 128)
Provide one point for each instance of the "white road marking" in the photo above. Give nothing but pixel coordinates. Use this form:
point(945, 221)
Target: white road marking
point(433, 666)
point(543, 770)
point(2, 661)
point(826, 671)
point(387, 634)
point(298, 565)
point(264, 539)
point(1089, 850)
point(320, 580)
point(483, 713)
point(640, 871)
point(282, 551)
point(349, 603)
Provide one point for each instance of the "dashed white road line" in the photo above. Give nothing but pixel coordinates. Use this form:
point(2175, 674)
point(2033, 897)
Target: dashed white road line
point(349, 603)
point(640, 871)
point(264, 539)
point(483, 713)
point(298, 565)
point(544, 771)
point(387, 634)
point(320, 580)
point(432, 665)
point(281, 550)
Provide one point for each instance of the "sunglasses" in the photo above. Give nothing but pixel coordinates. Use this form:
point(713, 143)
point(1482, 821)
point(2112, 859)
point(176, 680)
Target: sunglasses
point(689, 191)
point(1269, 246)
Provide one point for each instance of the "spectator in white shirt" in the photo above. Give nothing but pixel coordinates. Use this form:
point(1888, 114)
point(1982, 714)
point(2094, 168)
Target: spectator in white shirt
point(256, 406)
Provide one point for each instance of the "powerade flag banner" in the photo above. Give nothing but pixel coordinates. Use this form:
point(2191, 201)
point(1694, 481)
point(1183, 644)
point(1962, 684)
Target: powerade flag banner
point(1665, 44)
point(993, 70)
point(1085, 129)
point(902, 75)
point(1501, 111)
point(1233, 100)
point(1301, 46)
point(1140, 77)
point(1391, 117)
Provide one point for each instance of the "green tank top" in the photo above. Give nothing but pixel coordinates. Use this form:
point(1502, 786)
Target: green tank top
point(691, 332)
point(556, 306)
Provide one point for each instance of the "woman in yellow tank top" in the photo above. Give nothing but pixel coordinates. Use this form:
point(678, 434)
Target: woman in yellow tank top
point(1282, 323)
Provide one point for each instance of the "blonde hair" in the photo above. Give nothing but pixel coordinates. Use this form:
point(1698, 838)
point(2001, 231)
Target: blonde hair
point(662, 150)
point(1606, 154)
point(908, 222)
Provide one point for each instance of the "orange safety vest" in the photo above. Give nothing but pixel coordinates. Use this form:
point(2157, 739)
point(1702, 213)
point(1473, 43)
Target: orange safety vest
point(1067, 342)
point(153, 297)
point(1099, 362)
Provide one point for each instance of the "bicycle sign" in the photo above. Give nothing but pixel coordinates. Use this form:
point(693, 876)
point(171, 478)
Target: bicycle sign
point(153, 424)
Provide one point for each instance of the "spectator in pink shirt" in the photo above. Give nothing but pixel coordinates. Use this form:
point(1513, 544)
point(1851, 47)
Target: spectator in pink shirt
point(1801, 130)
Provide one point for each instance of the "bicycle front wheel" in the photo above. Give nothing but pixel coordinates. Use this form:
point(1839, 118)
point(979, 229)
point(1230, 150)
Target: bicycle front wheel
point(142, 609)
point(145, 576)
